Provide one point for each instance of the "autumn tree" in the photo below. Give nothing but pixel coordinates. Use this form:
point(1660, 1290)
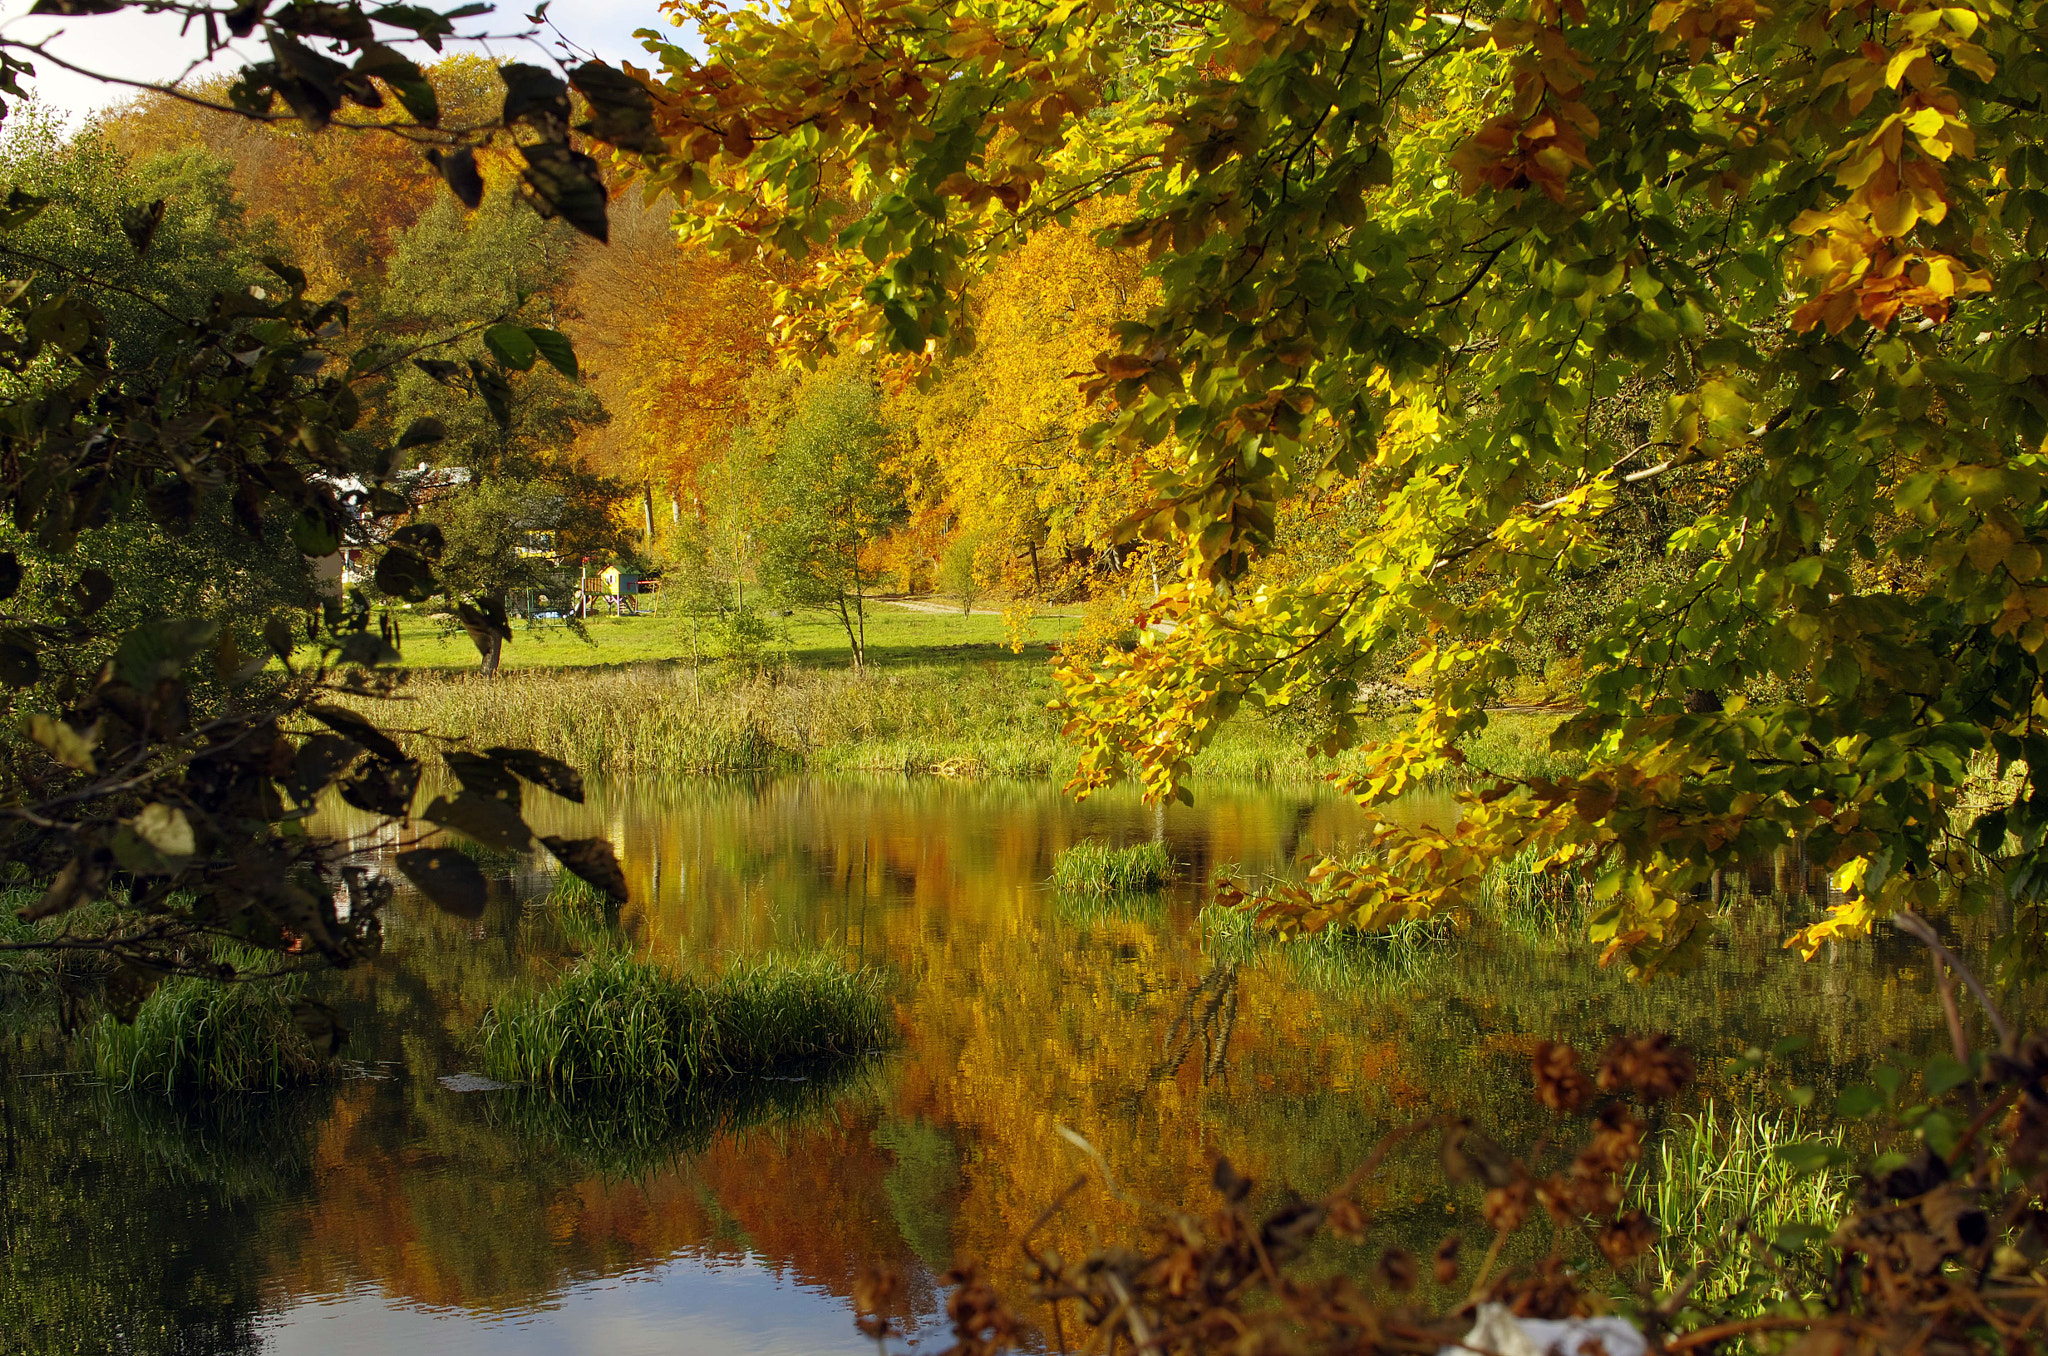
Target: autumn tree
point(1000, 426)
point(669, 334)
point(1458, 256)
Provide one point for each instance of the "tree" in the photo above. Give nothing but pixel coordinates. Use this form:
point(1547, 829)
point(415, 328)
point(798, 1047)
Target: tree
point(960, 571)
point(506, 490)
point(1510, 270)
point(1002, 424)
point(179, 788)
point(830, 498)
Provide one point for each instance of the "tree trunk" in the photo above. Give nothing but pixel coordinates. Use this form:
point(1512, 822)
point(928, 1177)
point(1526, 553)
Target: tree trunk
point(853, 639)
point(493, 650)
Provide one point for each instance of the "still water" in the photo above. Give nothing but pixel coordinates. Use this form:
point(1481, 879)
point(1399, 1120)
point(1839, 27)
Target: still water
point(393, 1213)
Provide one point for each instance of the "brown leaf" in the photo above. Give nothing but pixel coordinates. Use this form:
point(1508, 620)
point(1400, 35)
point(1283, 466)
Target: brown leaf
point(594, 861)
point(490, 822)
point(448, 878)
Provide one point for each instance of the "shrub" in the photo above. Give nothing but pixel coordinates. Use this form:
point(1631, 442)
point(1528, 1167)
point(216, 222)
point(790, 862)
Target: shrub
point(614, 1019)
point(1099, 869)
point(197, 1035)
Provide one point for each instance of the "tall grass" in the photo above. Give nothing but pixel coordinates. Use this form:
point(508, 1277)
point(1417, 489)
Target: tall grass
point(1098, 869)
point(614, 1020)
point(1540, 907)
point(204, 1036)
point(1721, 1194)
point(1337, 960)
point(573, 915)
point(961, 718)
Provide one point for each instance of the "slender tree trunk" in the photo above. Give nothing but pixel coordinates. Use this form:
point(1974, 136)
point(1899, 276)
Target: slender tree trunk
point(494, 649)
point(860, 615)
point(852, 638)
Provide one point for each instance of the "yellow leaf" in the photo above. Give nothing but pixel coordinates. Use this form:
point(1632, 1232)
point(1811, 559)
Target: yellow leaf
point(1895, 69)
point(60, 741)
point(165, 828)
point(1987, 546)
point(1973, 59)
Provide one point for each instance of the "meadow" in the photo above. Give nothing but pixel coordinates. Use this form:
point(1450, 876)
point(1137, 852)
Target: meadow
point(806, 638)
point(942, 693)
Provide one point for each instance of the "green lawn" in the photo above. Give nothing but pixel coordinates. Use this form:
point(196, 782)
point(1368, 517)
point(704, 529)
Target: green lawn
point(812, 638)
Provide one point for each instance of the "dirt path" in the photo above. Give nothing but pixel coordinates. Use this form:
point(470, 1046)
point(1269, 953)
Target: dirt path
point(928, 604)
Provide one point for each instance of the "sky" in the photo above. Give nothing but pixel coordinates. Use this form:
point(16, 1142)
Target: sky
point(149, 47)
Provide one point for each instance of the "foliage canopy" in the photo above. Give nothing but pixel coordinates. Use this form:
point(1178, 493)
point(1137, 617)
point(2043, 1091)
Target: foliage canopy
point(1499, 273)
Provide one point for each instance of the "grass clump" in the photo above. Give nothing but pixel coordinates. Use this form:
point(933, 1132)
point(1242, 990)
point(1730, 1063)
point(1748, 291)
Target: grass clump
point(207, 1036)
point(1099, 869)
point(1722, 1194)
point(616, 1020)
point(1338, 960)
point(1537, 906)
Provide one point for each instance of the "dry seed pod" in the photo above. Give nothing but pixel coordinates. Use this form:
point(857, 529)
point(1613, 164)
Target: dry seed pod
point(1561, 1084)
point(1396, 1270)
point(1447, 1259)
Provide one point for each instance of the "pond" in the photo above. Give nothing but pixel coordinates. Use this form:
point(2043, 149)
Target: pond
point(394, 1212)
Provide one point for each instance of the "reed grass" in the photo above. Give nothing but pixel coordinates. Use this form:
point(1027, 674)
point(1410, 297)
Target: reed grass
point(573, 916)
point(615, 1020)
point(1093, 868)
point(984, 719)
point(206, 1036)
point(1721, 1195)
point(1337, 960)
point(1546, 907)
point(1097, 910)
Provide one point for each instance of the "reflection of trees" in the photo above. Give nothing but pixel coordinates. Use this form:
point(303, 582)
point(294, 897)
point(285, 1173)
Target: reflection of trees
point(1208, 1014)
point(88, 1186)
point(1160, 1046)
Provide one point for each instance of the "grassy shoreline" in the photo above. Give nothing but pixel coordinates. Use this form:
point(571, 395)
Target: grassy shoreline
point(983, 718)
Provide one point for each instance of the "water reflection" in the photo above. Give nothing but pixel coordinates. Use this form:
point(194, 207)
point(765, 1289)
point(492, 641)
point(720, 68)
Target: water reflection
point(390, 1213)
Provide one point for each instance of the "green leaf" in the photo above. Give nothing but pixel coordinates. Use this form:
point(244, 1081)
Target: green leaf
point(402, 573)
point(422, 432)
point(511, 345)
point(1940, 1132)
point(358, 727)
point(313, 534)
point(556, 348)
point(490, 821)
point(1857, 1101)
point(1943, 1073)
point(157, 650)
point(20, 661)
point(552, 773)
point(1790, 1045)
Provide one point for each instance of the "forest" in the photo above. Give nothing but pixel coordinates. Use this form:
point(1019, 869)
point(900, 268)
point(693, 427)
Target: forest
point(1292, 676)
